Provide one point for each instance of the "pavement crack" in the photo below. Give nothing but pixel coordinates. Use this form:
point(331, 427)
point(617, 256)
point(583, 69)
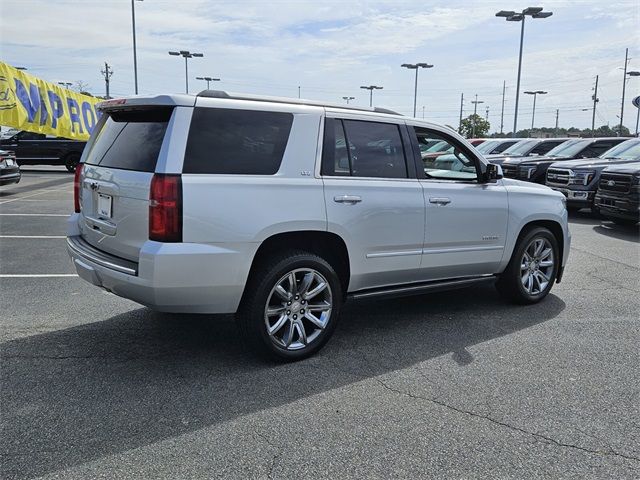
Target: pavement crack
point(538, 436)
point(276, 455)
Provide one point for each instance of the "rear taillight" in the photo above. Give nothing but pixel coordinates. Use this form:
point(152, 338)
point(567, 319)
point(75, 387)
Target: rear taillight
point(165, 208)
point(77, 187)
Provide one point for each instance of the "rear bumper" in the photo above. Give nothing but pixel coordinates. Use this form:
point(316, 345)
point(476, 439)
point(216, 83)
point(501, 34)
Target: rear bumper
point(10, 176)
point(179, 277)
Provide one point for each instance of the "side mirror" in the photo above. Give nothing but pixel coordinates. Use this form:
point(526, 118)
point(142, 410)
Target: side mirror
point(493, 173)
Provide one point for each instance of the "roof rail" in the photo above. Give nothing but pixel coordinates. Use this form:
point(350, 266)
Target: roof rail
point(296, 101)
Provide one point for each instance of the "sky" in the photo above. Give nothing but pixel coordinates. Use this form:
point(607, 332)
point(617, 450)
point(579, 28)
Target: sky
point(331, 47)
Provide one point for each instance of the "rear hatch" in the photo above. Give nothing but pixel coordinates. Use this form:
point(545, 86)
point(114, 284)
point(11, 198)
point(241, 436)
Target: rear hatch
point(118, 167)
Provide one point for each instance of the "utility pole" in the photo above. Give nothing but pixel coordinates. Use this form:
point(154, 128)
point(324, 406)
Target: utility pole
point(135, 57)
point(557, 117)
point(504, 88)
point(486, 114)
point(106, 73)
point(423, 107)
point(624, 84)
point(299, 92)
point(461, 105)
point(475, 110)
point(595, 102)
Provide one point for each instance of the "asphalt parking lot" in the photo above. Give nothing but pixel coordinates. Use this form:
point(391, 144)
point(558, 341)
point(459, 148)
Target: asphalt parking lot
point(452, 385)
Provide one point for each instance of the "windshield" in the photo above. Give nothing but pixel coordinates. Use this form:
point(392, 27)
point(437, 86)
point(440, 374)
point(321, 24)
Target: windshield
point(629, 150)
point(569, 148)
point(520, 148)
point(486, 147)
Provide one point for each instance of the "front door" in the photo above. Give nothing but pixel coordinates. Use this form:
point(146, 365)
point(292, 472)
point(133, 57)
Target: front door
point(466, 219)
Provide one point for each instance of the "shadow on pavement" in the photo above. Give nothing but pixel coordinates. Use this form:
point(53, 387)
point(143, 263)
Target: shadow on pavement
point(76, 395)
point(36, 186)
point(630, 233)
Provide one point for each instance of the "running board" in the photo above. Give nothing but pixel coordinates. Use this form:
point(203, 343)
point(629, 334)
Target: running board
point(420, 288)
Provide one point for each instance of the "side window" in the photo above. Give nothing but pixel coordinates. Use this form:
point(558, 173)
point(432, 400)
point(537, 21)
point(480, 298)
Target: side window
point(450, 161)
point(32, 136)
point(228, 141)
point(544, 147)
point(363, 149)
point(597, 149)
point(503, 147)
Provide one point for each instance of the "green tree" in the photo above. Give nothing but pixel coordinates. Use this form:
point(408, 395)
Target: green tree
point(474, 126)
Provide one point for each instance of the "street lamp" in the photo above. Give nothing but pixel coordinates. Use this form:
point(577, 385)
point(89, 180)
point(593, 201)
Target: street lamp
point(475, 110)
point(635, 74)
point(208, 80)
point(135, 58)
point(65, 84)
point(535, 94)
point(371, 88)
point(511, 16)
point(348, 98)
point(416, 67)
point(187, 55)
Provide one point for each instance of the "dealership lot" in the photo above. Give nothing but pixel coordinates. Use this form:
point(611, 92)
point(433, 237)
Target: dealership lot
point(452, 385)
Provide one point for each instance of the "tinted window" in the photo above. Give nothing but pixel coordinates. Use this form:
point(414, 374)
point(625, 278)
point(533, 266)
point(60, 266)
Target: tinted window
point(236, 141)
point(32, 136)
point(501, 148)
point(629, 149)
point(375, 149)
point(544, 147)
point(129, 140)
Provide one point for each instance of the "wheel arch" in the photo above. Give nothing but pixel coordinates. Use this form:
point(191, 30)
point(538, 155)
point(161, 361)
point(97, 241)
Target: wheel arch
point(330, 246)
point(553, 226)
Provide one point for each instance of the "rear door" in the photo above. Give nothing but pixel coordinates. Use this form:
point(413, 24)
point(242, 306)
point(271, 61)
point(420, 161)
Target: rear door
point(373, 200)
point(120, 161)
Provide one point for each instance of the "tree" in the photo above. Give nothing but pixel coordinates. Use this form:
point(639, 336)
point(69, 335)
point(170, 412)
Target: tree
point(481, 129)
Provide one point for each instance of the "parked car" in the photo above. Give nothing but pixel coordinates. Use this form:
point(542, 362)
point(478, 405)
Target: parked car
point(39, 149)
point(494, 146)
point(476, 141)
point(9, 169)
point(618, 195)
point(578, 179)
point(7, 132)
point(534, 169)
point(525, 148)
point(280, 209)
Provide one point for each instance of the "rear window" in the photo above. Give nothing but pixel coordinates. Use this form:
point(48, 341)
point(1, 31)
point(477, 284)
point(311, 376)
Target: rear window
point(129, 140)
point(225, 141)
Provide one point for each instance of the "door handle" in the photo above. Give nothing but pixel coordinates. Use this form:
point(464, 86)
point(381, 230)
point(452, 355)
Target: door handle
point(350, 199)
point(440, 200)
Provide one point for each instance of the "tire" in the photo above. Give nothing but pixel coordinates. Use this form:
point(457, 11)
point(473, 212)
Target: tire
point(287, 342)
point(71, 162)
point(514, 284)
point(626, 222)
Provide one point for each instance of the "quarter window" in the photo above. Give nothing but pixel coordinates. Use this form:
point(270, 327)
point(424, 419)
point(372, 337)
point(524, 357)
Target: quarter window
point(226, 141)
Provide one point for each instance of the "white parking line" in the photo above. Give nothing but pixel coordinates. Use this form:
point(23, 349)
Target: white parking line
point(37, 275)
point(33, 195)
point(33, 215)
point(33, 236)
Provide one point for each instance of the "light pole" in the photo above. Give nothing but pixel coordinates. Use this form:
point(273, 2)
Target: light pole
point(371, 88)
point(535, 94)
point(135, 58)
point(624, 84)
point(635, 74)
point(475, 110)
point(208, 80)
point(423, 108)
point(416, 67)
point(511, 16)
point(187, 55)
point(348, 99)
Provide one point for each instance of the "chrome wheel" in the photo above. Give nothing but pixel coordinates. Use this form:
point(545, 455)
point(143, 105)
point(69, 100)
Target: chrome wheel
point(536, 267)
point(298, 308)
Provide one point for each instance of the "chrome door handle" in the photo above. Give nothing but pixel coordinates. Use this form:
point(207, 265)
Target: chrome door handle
point(440, 200)
point(350, 199)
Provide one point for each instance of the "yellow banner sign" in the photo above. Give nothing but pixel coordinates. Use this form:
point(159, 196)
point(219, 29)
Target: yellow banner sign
point(29, 103)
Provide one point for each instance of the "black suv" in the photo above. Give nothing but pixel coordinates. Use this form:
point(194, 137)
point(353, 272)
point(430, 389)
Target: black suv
point(618, 195)
point(40, 149)
point(535, 169)
point(578, 179)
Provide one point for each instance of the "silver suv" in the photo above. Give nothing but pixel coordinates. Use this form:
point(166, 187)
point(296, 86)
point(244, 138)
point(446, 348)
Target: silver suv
point(280, 210)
